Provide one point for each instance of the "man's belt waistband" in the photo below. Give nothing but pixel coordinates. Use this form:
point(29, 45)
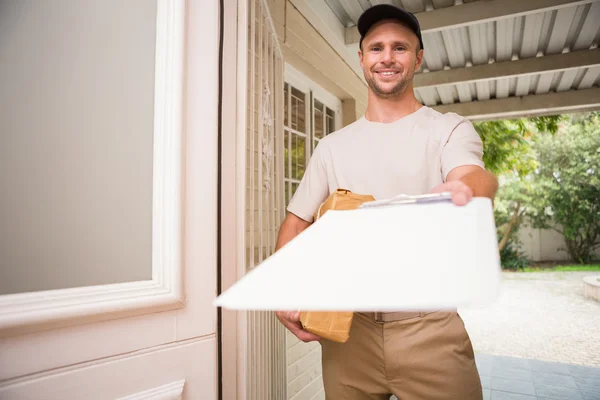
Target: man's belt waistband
point(381, 317)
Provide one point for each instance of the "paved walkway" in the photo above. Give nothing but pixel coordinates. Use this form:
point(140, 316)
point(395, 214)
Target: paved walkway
point(541, 316)
point(539, 341)
point(510, 378)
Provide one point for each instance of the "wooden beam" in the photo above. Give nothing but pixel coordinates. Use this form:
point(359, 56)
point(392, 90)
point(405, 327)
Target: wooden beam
point(507, 69)
point(477, 12)
point(530, 105)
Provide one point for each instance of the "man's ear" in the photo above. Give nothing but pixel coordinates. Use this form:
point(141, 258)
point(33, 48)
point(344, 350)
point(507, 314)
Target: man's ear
point(419, 60)
point(360, 57)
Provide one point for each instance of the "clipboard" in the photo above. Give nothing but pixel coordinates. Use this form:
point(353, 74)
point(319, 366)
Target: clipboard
point(406, 253)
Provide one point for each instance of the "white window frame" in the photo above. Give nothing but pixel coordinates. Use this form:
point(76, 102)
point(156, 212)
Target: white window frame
point(313, 91)
point(305, 84)
point(288, 180)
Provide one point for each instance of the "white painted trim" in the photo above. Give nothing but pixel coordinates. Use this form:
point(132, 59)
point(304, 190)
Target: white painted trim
point(297, 79)
point(231, 214)
point(324, 20)
point(125, 374)
point(295, 132)
point(305, 84)
point(328, 99)
point(240, 238)
point(171, 391)
point(29, 312)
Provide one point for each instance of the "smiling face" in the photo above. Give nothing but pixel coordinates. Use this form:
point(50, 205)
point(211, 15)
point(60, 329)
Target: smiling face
point(389, 58)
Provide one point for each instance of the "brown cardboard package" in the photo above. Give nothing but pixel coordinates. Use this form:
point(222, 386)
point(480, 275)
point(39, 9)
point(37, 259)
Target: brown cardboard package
point(342, 199)
point(334, 326)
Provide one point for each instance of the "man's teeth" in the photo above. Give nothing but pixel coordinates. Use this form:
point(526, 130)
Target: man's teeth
point(387, 73)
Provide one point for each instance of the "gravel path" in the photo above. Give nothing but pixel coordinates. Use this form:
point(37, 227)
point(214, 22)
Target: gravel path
point(541, 315)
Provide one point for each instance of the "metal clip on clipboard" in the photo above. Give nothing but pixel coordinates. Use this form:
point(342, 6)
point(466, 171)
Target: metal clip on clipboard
point(407, 199)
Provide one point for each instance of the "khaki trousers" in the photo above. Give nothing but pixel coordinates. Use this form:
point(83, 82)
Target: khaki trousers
point(428, 357)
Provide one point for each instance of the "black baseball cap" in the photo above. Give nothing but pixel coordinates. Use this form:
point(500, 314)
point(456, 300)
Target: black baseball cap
point(387, 11)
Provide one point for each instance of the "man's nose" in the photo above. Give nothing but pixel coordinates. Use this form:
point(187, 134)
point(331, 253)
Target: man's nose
point(387, 56)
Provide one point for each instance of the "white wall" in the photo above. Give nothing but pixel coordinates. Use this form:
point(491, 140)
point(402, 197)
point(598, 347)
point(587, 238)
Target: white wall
point(543, 245)
point(304, 370)
point(76, 128)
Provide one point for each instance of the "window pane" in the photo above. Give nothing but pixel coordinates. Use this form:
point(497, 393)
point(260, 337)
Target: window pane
point(298, 110)
point(298, 156)
point(330, 121)
point(286, 154)
point(319, 125)
point(285, 105)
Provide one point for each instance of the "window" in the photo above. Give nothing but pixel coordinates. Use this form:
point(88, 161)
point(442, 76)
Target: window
point(324, 122)
point(296, 135)
point(310, 114)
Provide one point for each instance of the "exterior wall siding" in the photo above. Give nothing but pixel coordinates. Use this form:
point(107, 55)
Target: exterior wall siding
point(303, 370)
point(305, 49)
point(308, 51)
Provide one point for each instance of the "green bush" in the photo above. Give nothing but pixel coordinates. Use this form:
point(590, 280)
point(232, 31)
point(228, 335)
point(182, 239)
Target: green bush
point(512, 258)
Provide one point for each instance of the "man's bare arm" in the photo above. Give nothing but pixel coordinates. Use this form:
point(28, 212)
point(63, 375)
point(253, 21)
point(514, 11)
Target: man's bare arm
point(290, 228)
point(483, 183)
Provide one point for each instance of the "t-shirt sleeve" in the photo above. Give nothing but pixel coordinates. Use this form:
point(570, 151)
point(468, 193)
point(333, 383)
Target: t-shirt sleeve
point(313, 188)
point(463, 147)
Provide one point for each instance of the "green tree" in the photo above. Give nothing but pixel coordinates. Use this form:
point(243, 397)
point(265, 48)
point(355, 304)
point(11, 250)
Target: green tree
point(507, 143)
point(567, 185)
point(508, 153)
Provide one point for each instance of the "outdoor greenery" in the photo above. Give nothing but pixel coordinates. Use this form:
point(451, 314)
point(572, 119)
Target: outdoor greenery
point(564, 268)
point(549, 174)
point(568, 185)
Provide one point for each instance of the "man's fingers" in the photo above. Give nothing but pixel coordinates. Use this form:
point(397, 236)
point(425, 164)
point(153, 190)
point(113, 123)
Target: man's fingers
point(460, 198)
point(461, 193)
point(307, 336)
point(291, 320)
point(292, 316)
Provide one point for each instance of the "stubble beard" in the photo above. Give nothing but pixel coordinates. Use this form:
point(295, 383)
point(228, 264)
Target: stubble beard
point(394, 92)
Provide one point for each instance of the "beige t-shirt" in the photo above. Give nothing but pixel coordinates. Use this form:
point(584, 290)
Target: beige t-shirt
point(411, 156)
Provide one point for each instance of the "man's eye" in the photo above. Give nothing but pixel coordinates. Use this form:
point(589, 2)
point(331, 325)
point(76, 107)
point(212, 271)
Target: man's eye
point(375, 48)
point(400, 48)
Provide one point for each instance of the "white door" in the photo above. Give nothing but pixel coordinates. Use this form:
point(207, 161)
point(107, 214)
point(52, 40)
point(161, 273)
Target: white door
point(108, 199)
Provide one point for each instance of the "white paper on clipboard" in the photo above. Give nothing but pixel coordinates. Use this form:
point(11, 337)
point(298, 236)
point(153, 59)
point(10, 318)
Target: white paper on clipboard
point(429, 256)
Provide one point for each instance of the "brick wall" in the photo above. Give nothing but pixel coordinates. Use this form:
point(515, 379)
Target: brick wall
point(304, 380)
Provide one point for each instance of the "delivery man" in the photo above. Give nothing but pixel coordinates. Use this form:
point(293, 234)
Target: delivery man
point(398, 146)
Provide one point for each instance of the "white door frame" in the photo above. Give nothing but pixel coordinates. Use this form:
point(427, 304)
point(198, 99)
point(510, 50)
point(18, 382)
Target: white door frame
point(233, 330)
point(238, 381)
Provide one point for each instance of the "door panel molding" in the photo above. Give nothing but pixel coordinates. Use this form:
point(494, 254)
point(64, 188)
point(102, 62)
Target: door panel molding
point(36, 311)
point(153, 368)
point(171, 391)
